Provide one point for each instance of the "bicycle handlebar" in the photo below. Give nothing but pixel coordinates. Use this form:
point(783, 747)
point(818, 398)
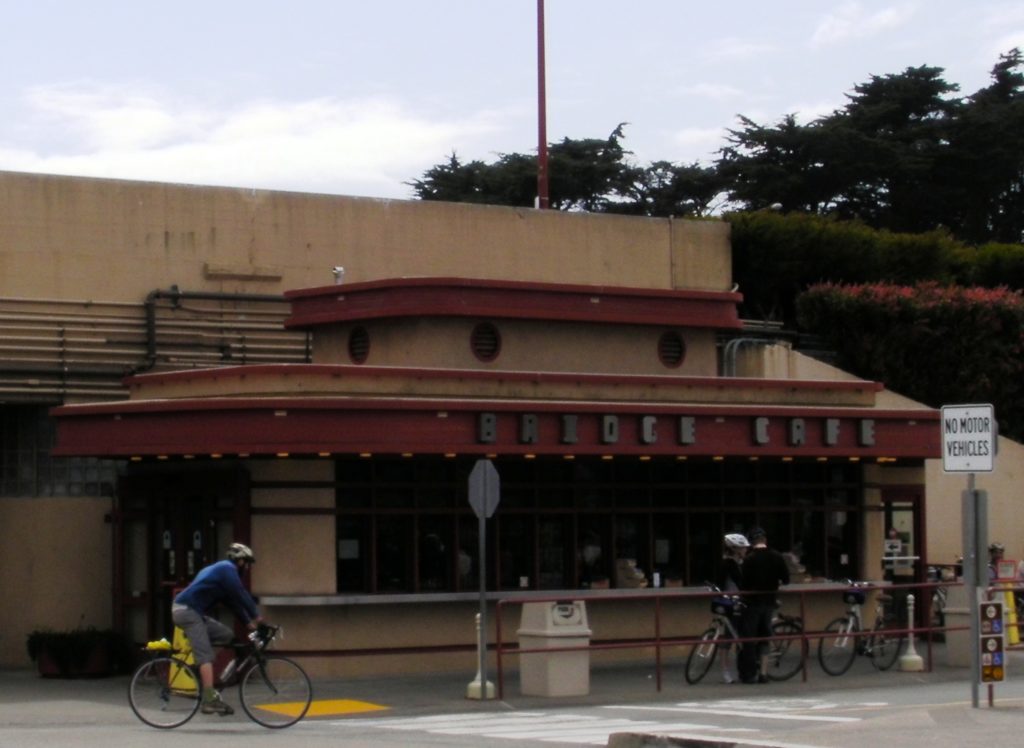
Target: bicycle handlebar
point(263, 635)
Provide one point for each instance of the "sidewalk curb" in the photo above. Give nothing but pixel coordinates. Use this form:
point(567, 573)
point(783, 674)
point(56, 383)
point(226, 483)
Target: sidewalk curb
point(643, 740)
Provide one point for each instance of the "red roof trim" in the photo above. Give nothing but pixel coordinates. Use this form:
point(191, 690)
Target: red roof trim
point(233, 404)
point(430, 281)
point(461, 297)
point(298, 427)
point(326, 371)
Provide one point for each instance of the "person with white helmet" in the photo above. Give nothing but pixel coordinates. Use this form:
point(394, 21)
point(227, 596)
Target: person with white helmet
point(220, 582)
point(730, 579)
point(735, 549)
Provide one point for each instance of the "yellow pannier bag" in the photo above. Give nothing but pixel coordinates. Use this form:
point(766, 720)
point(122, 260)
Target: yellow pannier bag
point(179, 678)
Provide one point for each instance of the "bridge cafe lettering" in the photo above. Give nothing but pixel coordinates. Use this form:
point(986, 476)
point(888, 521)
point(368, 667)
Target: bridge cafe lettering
point(682, 430)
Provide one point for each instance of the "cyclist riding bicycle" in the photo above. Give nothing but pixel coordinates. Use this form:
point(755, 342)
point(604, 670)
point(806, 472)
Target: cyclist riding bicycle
point(220, 582)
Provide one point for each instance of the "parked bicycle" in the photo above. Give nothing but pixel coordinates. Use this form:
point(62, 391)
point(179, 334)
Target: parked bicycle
point(844, 637)
point(785, 654)
point(275, 691)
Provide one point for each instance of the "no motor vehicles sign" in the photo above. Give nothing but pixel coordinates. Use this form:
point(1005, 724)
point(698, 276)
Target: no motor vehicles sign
point(968, 438)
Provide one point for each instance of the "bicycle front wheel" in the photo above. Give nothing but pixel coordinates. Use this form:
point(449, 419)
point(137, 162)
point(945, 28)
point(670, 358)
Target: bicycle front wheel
point(702, 655)
point(276, 692)
point(838, 647)
point(164, 692)
point(785, 656)
point(885, 647)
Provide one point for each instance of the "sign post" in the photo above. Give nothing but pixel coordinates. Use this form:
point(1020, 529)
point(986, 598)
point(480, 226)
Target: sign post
point(484, 495)
point(969, 441)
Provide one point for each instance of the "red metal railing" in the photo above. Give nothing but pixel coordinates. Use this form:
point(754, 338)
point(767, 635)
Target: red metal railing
point(925, 631)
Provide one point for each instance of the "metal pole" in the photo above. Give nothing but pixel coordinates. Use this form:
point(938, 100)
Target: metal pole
point(483, 607)
point(972, 573)
point(911, 661)
point(657, 640)
point(543, 200)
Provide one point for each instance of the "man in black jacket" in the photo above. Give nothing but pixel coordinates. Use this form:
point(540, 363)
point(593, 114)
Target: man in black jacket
point(764, 570)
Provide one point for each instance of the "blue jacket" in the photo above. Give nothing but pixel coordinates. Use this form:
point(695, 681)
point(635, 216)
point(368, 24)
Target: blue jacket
point(219, 583)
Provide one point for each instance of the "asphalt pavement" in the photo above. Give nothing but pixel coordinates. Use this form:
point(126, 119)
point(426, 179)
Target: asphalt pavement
point(931, 708)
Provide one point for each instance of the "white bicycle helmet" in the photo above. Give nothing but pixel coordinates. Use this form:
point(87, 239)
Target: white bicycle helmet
point(734, 540)
point(238, 551)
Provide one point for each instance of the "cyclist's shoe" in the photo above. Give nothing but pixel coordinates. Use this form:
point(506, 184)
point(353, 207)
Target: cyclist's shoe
point(728, 676)
point(216, 705)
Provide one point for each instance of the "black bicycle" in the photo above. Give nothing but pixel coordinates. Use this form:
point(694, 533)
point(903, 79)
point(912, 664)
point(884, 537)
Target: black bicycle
point(785, 653)
point(275, 691)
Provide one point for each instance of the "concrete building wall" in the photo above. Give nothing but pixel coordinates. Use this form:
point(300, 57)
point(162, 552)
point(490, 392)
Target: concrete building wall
point(1005, 499)
point(525, 346)
point(75, 238)
point(45, 544)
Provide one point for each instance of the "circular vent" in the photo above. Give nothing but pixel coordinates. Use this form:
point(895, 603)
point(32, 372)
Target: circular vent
point(485, 341)
point(358, 345)
point(671, 349)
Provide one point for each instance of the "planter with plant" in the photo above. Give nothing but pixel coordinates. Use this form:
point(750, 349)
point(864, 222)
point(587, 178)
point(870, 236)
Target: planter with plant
point(79, 653)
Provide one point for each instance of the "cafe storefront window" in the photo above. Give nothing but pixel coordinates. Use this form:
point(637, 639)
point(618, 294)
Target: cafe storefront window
point(404, 525)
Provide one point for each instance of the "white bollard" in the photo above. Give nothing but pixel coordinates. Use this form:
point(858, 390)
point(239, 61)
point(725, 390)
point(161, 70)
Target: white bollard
point(475, 689)
point(911, 661)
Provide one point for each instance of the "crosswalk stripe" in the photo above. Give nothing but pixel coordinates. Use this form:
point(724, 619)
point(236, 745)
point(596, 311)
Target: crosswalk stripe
point(583, 729)
point(565, 728)
point(742, 713)
point(469, 721)
point(593, 727)
point(562, 722)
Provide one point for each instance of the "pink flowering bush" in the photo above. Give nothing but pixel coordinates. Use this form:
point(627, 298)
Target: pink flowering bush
point(934, 343)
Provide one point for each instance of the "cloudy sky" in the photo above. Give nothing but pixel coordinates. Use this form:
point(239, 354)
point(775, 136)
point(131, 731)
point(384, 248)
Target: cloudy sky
point(357, 98)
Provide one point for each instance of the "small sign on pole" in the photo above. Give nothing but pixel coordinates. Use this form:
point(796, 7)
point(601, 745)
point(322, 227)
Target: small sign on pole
point(993, 643)
point(484, 488)
point(969, 436)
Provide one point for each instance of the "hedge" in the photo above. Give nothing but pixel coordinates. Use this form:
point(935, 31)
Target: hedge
point(777, 256)
point(935, 343)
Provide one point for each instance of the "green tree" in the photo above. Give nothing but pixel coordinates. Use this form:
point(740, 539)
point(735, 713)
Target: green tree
point(588, 174)
point(584, 174)
point(904, 154)
point(667, 189)
point(874, 160)
point(897, 126)
point(985, 164)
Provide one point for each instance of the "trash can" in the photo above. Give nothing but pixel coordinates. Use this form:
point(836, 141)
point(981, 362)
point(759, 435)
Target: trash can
point(554, 625)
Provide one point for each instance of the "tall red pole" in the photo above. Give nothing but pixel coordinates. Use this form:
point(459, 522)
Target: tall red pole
point(543, 200)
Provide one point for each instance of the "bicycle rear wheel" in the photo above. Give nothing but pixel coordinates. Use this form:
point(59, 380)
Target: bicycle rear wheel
point(837, 647)
point(701, 656)
point(785, 656)
point(276, 693)
point(885, 647)
point(164, 692)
